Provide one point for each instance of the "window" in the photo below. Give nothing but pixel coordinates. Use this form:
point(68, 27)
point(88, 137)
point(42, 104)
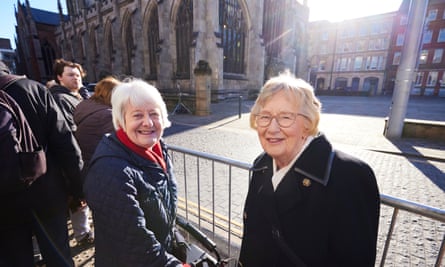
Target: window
point(427, 36)
point(358, 63)
point(273, 28)
point(344, 64)
point(432, 15)
point(437, 58)
point(129, 44)
point(397, 57)
point(347, 47)
point(375, 28)
point(441, 37)
point(403, 20)
point(184, 31)
point(363, 31)
point(371, 44)
point(374, 63)
point(323, 49)
point(442, 82)
point(423, 56)
point(233, 29)
point(400, 39)
point(324, 36)
point(419, 79)
point(432, 78)
point(153, 41)
point(360, 45)
point(322, 65)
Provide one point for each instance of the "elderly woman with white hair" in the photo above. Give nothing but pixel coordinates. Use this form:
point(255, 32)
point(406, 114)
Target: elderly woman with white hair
point(308, 204)
point(130, 185)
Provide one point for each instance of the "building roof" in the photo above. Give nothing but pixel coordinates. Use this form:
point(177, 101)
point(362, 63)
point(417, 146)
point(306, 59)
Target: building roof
point(45, 17)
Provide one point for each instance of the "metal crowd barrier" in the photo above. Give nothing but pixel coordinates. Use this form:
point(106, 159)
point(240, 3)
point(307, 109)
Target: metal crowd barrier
point(212, 190)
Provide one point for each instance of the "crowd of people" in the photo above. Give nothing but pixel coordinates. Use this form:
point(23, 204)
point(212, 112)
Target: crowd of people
point(307, 204)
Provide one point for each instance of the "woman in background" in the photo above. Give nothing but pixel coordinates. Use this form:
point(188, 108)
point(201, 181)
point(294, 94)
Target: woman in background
point(93, 117)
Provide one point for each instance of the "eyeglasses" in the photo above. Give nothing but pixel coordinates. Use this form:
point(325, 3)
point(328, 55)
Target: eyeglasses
point(284, 119)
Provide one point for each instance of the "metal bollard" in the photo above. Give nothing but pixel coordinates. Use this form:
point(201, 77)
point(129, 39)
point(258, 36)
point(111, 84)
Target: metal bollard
point(240, 100)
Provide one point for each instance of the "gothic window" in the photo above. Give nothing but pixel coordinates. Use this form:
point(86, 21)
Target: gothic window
point(109, 51)
point(48, 55)
point(153, 41)
point(233, 35)
point(93, 46)
point(129, 43)
point(273, 26)
point(184, 31)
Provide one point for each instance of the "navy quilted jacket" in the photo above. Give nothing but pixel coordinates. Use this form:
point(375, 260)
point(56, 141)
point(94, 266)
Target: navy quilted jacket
point(134, 206)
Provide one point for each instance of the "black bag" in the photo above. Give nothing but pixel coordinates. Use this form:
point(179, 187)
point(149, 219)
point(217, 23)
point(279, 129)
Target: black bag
point(17, 139)
point(179, 246)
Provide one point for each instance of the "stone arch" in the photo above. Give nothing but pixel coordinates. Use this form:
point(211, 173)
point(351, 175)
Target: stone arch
point(108, 53)
point(150, 38)
point(93, 57)
point(128, 43)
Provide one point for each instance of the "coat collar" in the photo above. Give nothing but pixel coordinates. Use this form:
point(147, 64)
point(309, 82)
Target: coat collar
point(314, 163)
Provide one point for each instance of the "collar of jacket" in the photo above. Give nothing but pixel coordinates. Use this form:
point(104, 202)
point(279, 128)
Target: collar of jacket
point(315, 162)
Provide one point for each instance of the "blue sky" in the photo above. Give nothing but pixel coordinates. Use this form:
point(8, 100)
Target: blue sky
point(319, 9)
point(7, 14)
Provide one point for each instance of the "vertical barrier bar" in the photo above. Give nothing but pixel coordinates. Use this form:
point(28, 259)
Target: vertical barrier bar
point(441, 253)
point(240, 100)
point(388, 236)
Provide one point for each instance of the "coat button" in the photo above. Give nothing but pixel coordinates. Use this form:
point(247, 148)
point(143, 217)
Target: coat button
point(306, 182)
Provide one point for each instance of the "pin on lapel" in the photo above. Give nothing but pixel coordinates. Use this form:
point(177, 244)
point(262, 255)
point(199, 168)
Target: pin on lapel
point(306, 182)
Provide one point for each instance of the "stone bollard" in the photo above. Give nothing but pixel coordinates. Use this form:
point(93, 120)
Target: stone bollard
point(202, 83)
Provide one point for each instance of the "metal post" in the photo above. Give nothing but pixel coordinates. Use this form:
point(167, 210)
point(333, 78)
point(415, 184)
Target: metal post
point(240, 100)
point(407, 68)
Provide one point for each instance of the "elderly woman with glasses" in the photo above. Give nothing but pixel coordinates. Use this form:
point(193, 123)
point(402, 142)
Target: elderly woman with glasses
point(308, 204)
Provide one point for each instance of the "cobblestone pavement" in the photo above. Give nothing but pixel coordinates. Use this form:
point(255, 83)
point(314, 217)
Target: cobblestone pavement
point(411, 169)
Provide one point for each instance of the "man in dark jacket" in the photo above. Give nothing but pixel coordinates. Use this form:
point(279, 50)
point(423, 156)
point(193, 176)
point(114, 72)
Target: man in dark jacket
point(68, 94)
point(41, 209)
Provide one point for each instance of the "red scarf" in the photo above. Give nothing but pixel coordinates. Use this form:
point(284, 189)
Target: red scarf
point(153, 154)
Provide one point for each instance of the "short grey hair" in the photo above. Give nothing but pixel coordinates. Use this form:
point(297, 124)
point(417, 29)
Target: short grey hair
point(138, 93)
point(298, 90)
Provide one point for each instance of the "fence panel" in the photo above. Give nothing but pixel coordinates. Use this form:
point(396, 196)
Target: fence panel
point(212, 190)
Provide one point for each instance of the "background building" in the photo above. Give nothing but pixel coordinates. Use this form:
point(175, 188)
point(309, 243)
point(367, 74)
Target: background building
point(36, 43)
point(243, 41)
point(7, 54)
point(350, 56)
point(361, 56)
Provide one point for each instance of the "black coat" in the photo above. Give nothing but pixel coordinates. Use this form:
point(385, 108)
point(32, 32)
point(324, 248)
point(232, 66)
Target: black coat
point(67, 102)
point(48, 194)
point(328, 213)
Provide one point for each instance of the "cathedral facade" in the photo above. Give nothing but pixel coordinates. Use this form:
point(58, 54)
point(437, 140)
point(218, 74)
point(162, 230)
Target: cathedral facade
point(161, 41)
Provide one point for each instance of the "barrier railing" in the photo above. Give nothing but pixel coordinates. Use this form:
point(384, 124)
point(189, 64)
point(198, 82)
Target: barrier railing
point(213, 199)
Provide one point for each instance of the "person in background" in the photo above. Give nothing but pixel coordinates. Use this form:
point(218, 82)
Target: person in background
point(130, 185)
point(93, 117)
point(41, 208)
point(307, 202)
point(67, 94)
